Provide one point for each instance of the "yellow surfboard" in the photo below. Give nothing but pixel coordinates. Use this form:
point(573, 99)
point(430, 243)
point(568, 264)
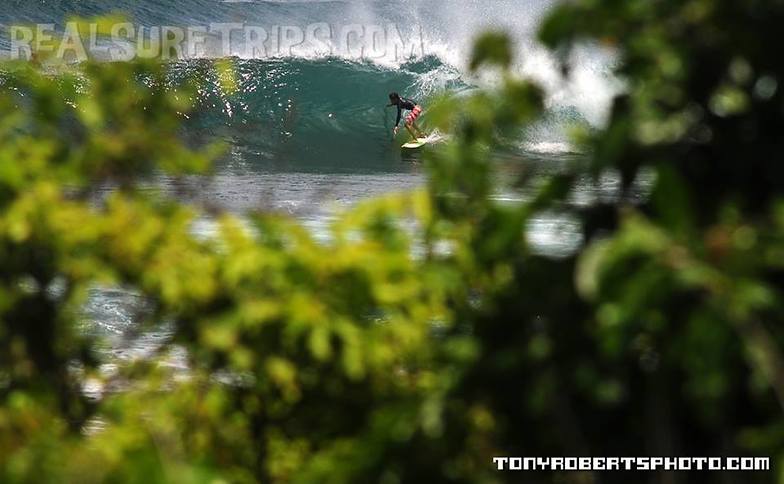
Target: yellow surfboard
point(412, 145)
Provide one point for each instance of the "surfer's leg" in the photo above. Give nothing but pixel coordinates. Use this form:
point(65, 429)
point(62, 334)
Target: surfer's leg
point(419, 131)
point(412, 120)
point(411, 131)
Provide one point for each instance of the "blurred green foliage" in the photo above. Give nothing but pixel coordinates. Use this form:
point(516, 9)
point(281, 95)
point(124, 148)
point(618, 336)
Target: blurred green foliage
point(426, 336)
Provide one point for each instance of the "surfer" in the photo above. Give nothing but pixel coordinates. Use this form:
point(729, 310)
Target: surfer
point(409, 105)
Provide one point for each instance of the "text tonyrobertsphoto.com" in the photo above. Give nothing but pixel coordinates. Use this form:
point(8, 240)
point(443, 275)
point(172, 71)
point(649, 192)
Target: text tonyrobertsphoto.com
point(632, 463)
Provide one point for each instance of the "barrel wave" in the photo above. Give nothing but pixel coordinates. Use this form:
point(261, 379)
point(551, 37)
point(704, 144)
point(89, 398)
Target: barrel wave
point(308, 109)
point(325, 113)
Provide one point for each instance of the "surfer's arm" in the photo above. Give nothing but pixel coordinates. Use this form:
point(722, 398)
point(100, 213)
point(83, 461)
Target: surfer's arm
point(397, 122)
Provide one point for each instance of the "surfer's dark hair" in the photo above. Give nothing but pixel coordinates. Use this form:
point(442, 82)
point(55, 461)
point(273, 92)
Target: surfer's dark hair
point(393, 96)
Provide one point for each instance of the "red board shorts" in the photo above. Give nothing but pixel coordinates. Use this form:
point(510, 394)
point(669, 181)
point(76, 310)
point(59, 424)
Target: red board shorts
point(413, 115)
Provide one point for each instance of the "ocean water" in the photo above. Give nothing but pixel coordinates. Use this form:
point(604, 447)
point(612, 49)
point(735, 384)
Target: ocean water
point(307, 131)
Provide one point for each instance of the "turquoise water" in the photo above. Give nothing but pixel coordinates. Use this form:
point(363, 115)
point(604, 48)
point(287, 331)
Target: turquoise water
point(312, 115)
